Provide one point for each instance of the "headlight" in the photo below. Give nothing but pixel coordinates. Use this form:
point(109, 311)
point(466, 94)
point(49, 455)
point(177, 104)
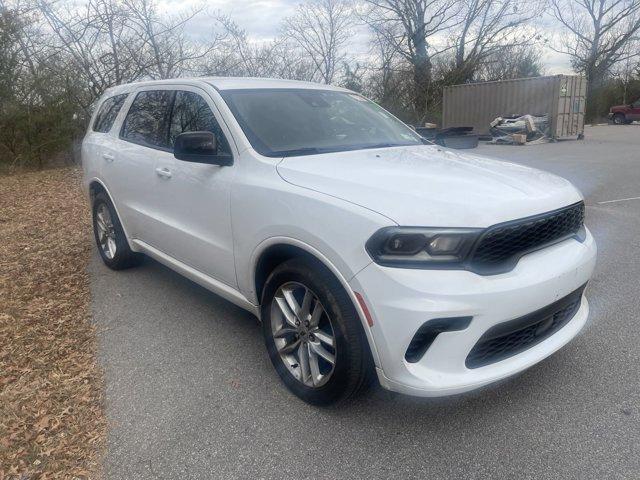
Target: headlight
point(419, 247)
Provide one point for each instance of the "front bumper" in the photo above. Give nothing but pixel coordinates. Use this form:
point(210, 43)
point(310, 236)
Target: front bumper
point(401, 300)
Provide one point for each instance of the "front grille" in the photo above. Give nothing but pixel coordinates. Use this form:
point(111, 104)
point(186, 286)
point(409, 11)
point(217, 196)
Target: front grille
point(515, 336)
point(500, 246)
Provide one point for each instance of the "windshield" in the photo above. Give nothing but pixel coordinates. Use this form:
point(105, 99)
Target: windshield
point(288, 122)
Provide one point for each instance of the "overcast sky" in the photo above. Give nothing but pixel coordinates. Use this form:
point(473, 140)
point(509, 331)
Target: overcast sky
point(262, 18)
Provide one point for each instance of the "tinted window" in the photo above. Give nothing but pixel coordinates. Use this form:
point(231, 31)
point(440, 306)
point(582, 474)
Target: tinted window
point(108, 113)
point(288, 122)
point(147, 121)
point(192, 114)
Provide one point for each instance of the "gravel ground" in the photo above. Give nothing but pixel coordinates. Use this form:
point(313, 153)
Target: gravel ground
point(191, 393)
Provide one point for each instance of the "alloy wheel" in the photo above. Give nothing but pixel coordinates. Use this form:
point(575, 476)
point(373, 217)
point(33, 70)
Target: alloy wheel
point(303, 334)
point(106, 231)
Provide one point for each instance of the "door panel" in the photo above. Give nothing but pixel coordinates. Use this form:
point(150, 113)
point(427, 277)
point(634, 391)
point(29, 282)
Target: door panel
point(196, 216)
point(142, 139)
point(193, 197)
point(137, 198)
point(634, 114)
point(99, 143)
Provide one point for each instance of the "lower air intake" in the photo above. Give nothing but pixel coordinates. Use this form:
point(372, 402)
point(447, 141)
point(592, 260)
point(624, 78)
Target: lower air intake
point(515, 336)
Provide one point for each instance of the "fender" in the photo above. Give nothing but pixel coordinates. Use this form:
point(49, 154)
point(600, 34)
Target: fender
point(262, 246)
point(132, 245)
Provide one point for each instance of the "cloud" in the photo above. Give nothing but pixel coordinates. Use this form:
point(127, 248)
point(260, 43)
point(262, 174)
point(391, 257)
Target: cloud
point(262, 20)
point(556, 63)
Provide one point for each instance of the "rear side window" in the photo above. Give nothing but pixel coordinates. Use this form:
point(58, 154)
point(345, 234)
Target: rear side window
point(108, 113)
point(147, 121)
point(191, 113)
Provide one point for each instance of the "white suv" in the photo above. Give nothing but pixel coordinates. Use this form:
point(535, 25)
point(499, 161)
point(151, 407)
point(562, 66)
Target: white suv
point(363, 249)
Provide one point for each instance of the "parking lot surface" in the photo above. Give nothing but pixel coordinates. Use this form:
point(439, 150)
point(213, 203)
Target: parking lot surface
point(192, 394)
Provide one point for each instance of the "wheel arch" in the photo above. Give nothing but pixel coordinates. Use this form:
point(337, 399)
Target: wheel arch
point(274, 251)
point(96, 186)
point(270, 258)
point(620, 115)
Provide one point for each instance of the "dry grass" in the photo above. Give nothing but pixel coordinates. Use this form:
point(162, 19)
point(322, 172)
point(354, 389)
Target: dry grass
point(52, 422)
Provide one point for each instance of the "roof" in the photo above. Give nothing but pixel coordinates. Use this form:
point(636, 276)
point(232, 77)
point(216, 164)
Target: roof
point(228, 83)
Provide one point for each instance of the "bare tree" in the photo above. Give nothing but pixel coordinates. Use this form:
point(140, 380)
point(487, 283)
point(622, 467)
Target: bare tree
point(118, 40)
point(236, 55)
point(488, 27)
point(389, 77)
point(516, 61)
point(9, 53)
point(321, 28)
point(166, 50)
point(411, 27)
point(108, 42)
point(95, 41)
point(386, 63)
point(596, 34)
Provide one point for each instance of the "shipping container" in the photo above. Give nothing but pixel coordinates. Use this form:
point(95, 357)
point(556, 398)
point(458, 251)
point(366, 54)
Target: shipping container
point(561, 97)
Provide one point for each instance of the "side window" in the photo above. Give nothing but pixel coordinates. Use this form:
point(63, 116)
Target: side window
point(148, 118)
point(191, 114)
point(108, 113)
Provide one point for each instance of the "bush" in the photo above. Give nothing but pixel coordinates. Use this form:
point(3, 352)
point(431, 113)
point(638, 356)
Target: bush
point(38, 135)
point(612, 93)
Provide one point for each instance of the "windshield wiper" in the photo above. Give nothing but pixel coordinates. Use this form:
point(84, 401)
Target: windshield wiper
point(300, 151)
point(381, 145)
point(338, 148)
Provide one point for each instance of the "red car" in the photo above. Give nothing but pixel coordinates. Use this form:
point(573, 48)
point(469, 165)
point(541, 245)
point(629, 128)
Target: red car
point(625, 114)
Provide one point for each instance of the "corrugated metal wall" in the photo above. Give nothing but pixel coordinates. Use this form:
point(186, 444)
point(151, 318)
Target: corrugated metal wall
point(475, 105)
point(571, 106)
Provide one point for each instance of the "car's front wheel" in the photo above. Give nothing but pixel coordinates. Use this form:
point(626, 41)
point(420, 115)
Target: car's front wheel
point(619, 119)
point(313, 334)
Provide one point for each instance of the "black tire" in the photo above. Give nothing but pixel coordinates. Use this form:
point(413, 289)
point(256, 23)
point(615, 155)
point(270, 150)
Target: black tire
point(353, 370)
point(124, 257)
point(628, 122)
point(619, 119)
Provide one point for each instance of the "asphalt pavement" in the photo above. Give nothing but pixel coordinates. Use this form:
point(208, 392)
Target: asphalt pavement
point(192, 394)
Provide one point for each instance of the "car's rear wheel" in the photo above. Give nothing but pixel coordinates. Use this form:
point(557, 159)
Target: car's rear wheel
point(110, 238)
point(313, 334)
point(618, 119)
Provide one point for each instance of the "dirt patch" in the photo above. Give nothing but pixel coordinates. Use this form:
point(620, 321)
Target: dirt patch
point(52, 422)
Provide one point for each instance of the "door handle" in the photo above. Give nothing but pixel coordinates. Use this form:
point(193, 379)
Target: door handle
point(108, 157)
point(163, 172)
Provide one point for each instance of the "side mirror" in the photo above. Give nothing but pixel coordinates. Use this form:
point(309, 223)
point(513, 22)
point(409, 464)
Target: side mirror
point(200, 147)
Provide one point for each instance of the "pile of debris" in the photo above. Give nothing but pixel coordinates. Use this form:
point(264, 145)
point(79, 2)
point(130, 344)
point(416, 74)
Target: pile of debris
point(520, 130)
point(454, 137)
point(513, 130)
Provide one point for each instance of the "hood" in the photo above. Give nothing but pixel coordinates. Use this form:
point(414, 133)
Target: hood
point(431, 186)
point(619, 107)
